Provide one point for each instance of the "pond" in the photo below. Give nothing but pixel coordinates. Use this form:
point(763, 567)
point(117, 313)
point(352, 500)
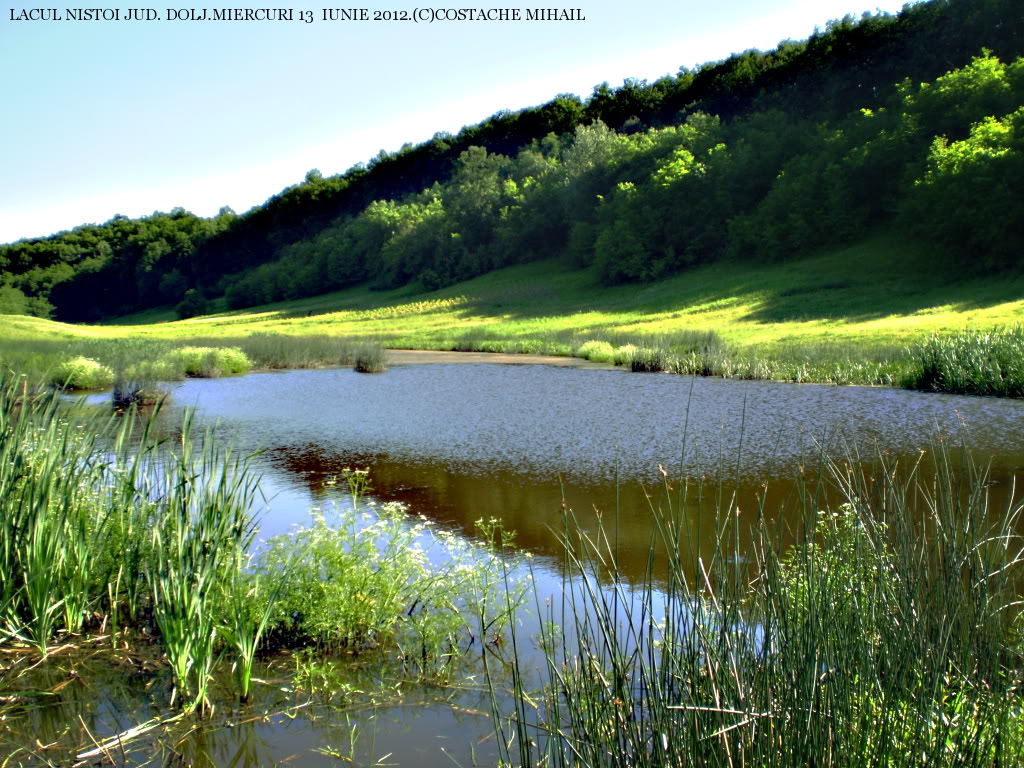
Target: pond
point(460, 442)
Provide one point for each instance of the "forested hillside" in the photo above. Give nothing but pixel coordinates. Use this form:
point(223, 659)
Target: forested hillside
point(913, 121)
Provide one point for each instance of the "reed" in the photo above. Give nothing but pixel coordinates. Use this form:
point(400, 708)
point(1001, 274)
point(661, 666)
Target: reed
point(972, 362)
point(201, 531)
point(883, 632)
point(270, 350)
point(369, 358)
point(51, 517)
point(251, 607)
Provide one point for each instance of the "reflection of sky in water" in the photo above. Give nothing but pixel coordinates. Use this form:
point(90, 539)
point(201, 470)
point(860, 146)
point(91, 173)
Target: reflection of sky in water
point(549, 421)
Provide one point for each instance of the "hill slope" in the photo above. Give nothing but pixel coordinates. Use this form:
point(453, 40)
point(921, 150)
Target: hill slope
point(878, 292)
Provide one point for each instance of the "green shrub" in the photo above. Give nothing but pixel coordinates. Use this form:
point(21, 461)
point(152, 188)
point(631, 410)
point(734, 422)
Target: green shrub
point(209, 362)
point(597, 351)
point(83, 373)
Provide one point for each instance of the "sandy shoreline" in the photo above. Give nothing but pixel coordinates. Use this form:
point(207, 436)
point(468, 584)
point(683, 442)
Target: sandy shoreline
point(416, 356)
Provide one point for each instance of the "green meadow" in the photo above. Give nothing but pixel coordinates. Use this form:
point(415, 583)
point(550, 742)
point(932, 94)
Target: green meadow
point(870, 313)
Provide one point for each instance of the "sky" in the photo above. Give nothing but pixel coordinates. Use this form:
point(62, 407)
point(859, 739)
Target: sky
point(99, 118)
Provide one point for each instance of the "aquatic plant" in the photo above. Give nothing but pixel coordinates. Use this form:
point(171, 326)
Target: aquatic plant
point(623, 354)
point(884, 635)
point(83, 373)
point(128, 393)
point(250, 606)
point(363, 579)
point(649, 360)
point(209, 362)
point(597, 351)
point(972, 362)
point(369, 358)
point(201, 528)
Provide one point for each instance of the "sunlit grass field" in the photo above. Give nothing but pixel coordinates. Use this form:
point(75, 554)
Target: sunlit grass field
point(871, 313)
point(881, 291)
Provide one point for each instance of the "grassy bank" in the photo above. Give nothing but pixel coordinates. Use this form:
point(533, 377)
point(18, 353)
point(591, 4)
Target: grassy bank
point(138, 368)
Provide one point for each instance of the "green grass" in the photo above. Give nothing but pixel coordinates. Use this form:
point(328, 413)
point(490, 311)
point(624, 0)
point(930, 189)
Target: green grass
point(861, 293)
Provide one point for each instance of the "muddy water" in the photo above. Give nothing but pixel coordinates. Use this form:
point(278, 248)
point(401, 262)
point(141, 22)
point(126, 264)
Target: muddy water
point(459, 442)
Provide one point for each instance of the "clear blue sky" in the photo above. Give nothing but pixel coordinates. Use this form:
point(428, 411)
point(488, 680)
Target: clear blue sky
point(129, 117)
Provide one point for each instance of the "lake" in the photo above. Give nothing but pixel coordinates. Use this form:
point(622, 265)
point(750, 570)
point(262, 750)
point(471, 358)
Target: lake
point(524, 443)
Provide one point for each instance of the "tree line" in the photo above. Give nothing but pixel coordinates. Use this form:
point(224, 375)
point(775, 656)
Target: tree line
point(911, 119)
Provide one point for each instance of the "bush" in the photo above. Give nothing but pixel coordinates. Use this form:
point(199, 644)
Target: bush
point(83, 373)
point(209, 362)
point(597, 351)
point(193, 304)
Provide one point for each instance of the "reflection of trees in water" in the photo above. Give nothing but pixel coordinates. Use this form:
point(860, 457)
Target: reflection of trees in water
point(537, 509)
point(533, 506)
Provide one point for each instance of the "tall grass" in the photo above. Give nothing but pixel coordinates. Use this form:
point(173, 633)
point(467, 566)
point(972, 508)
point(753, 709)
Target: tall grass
point(52, 516)
point(885, 634)
point(105, 525)
point(136, 365)
point(705, 353)
point(201, 529)
point(95, 523)
point(270, 350)
point(972, 362)
point(369, 358)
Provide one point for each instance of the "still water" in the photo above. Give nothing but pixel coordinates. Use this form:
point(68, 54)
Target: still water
point(523, 443)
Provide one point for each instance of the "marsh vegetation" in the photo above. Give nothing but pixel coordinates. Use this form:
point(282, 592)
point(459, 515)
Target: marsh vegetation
point(883, 630)
point(110, 531)
point(866, 609)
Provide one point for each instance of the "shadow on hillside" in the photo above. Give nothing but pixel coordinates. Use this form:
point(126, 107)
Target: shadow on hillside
point(880, 277)
point(862, 302)
point(849, 300)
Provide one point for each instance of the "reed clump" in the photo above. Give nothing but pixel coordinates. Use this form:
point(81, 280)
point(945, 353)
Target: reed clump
point(369, 358)
point(972, 362)
point(885, 631)
point(276, 351)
